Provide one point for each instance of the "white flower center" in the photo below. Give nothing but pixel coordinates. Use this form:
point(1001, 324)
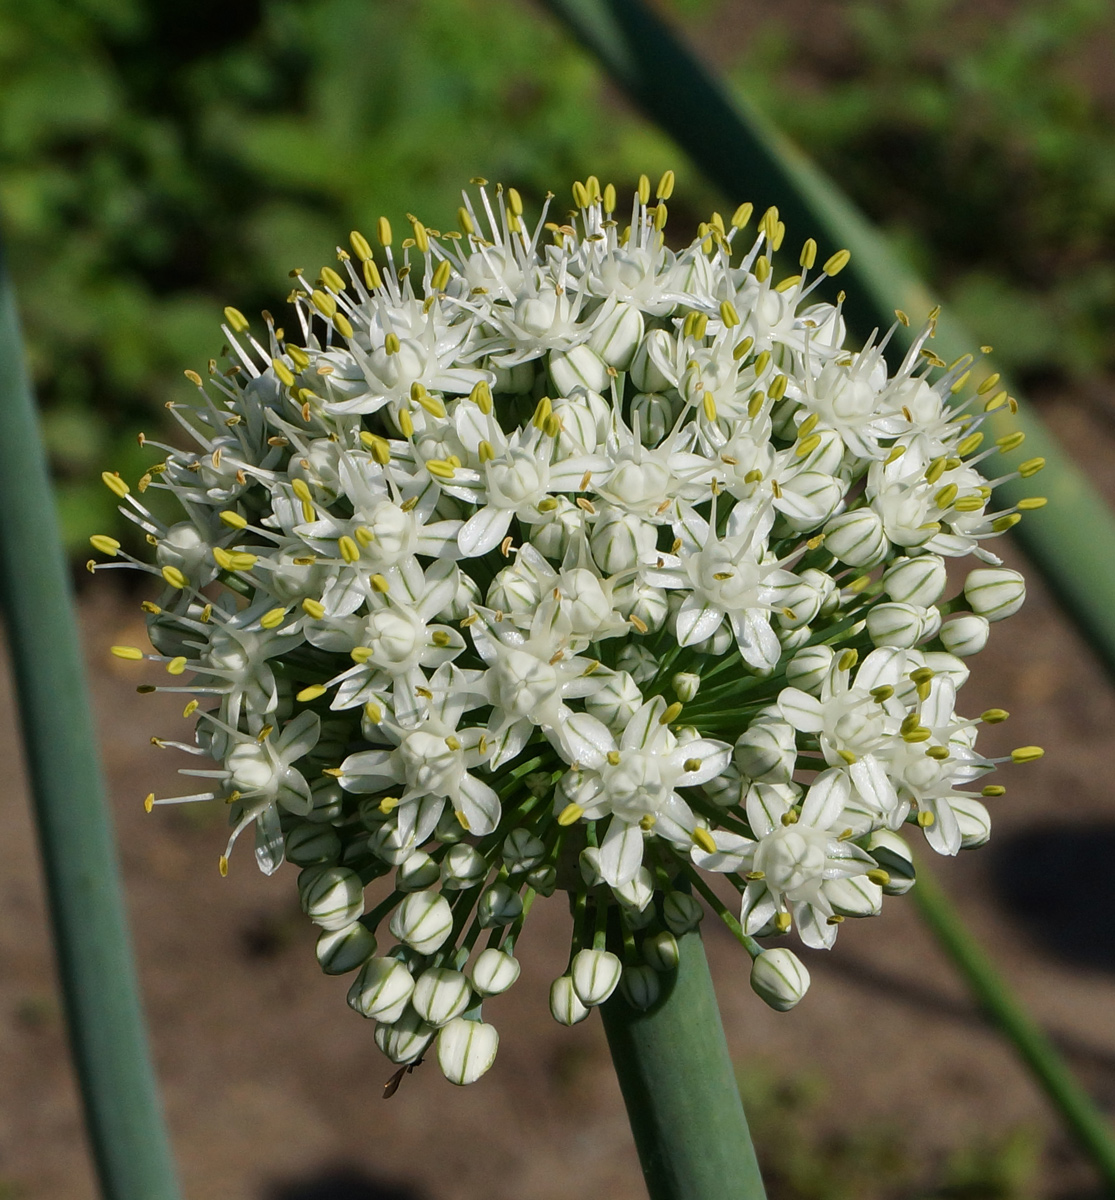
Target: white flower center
point(430, 765)
point(524, 683)
point(521, 481)
point(792, 857)
point(392, 637)
point(251, 768)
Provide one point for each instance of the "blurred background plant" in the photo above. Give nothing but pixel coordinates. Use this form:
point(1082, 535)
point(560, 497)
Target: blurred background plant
point(160, 160)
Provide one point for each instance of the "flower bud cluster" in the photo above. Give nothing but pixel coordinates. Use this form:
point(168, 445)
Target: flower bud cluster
point(539, 556)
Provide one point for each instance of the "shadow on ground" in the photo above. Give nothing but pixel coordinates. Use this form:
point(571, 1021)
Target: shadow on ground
point(342, 1183)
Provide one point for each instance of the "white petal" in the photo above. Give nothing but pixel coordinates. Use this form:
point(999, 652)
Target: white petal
point(802, 710)
point(484, 530)
point(621, 854)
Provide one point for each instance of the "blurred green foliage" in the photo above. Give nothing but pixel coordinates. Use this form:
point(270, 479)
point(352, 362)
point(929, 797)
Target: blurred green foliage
point(162, 158)
point(982, 138)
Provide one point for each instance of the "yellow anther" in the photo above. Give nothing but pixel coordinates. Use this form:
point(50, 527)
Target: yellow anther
point(807, 445)
point(1026, 754)
point(922, 674)
point(372, 278)
point(994, 716)
point(969, 504)
point(176, 665)
point(1031, 502)
point(672, 713)
point(454, 743)
point(882, 694)
point(383, 231)
point(434, 405)
point(440, 638)
point(1031, 467)
point(702, 838)
point(777, 387)
point(755, 404)
point(570, 814)
point(762, 268)
point(406, 423)
point(742, 215)
point(439, 281)
point(190, 709)
point(464, 219)
point(462, 820)
point(311, 693)
point(879, 877)
point(958, 386)
point(848, 757)
point(298, 356)
point(360, 246)
point(541, 412)
point(921, 734)
point(552, 426)
point(236, 319)
point(993, 789)
point(364, 536)
point(785, 285)
point(342, 325)
point(808, 254)
point(762, 361)
point(130, 653)
point(302, 490)
point(969, 444)
point(439, 468)
point(332, 280)
point(349, 550)
point(273, 618)
point(193, 377)
point(373, 712)
point(996, 401)
point(481, 396)
point(895, 454)
point(1010, 441)
point(768, 222)
point(837, 262)
point(647, 822)
point(935, 470)
point(174, 577)
point(782, 921)
point(1002, 524)
point(421, 237)
point(222, 865)
point(613, 758)
point(987, 384)
point(115, 484)
point(379, 584)
point(313, 608)
point(708, 406)
point(643, 190)
point(728, 314)
point(665, 187)
point(379, 446)
point(743, 348)
point(940, 753)
point(105, 544)
point(691, 764)
point(947, 495)
point(926, 819)
point(847, 660)
point(388, 805)
point(323, 302)
point(580, 194)
point(486, 451)
point(233, 519)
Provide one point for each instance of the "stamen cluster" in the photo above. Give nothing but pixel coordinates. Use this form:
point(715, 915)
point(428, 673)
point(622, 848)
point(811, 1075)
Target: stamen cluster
point(540, 557)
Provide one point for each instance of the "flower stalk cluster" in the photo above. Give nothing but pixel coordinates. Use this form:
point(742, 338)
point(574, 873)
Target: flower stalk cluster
point(544, 556)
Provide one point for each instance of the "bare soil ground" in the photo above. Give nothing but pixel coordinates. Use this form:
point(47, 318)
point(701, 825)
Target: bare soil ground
point(273, 1087)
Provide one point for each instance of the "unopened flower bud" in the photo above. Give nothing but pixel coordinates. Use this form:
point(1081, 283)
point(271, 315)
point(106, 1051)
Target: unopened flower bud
point(406, 1040)
point(416, 872)
point(779, 978)
point(637, 661)
point(308, 845)
point(894, 624)
point(767, 750)
point(857, 538)
point(656, 415)
point(893, 855)
point(589, 863)
point(661, 951)
point(440, 995)
point(543, 879)
point(328, 799)
point(974, 821)
point(595, 974)
point(616, 701)
point(499, 905)
point(919, 580)
point(994, 592)
point(448, 830)
point(522, 851)
point(681, 912)
point(578, 369)
point(617, 337)
point(342, 950)
point(335, 897)
point(466, 1050)
point(493, 972)
point(809, 668)
point(424, 920)
point(389, 844)
point(382, 990)
point(463, 867)
point(965, 634)
point(686, 685)
point(565, 1005)
point(854, 897)
point(655, 352)
point(636, 894)
point(640, 986)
